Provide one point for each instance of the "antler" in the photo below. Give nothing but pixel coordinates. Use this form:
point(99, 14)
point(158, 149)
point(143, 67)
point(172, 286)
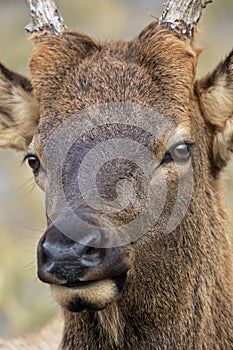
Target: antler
point(182, 15)
point(45, 16)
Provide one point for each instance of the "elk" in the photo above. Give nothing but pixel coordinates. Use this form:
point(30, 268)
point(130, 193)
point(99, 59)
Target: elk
point(137, 254)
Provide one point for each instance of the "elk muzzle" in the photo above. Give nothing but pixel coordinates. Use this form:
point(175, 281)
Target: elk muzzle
point(82, 273)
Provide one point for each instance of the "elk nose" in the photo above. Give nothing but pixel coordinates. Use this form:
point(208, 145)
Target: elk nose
point(62, 260)
point(86, 254)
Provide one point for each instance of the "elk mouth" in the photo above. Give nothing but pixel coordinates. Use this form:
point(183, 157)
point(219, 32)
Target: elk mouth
point(119, 280)
point(78, 284)
point(89, 295)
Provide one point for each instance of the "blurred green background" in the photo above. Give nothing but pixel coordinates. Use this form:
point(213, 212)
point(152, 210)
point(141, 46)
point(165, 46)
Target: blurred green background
point(25, 303)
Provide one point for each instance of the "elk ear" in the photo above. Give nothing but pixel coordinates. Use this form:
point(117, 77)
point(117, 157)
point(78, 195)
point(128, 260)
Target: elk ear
point(18, 110)
point(216, 99)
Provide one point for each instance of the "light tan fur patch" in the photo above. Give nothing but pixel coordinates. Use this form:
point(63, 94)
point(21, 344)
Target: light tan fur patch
point(99, 293)
point(111, 323)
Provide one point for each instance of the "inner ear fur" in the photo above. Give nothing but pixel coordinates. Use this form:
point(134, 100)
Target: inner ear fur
point(18, 110)
point(53, 57)
point(215, 93)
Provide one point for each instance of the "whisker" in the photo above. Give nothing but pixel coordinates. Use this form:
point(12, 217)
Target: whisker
point(29, 228)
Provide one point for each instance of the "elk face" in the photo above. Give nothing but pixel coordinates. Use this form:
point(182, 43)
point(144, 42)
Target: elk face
point(120, 134)
point(105, 147)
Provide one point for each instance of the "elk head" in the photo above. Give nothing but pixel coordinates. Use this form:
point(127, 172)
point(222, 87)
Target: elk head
point(124, 143)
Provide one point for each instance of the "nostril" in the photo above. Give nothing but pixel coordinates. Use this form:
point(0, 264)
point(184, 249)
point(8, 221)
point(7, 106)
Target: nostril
point(48, 253)
point(47, 250)
point(91, 251)
point(91, 256)
point(47, 258)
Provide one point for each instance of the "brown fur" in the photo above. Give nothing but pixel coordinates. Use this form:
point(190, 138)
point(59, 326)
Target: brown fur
point(179, 291)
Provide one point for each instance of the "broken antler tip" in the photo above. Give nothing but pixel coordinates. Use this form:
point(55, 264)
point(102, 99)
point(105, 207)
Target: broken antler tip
point(45, 16)
point(182, 15)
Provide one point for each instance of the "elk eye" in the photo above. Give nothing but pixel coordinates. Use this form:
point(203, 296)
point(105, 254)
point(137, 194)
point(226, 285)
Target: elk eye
point(180, 152)
point(34, 163)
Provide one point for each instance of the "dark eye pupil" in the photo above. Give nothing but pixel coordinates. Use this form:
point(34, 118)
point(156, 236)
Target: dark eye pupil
point(34, 163)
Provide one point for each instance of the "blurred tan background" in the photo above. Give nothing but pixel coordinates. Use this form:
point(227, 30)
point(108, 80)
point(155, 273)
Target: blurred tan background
point(26, 304)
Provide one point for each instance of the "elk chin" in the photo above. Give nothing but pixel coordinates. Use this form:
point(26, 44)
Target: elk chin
point(92, 296)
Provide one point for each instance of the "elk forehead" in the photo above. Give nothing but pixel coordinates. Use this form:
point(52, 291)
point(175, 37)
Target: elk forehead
point(71, 72)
